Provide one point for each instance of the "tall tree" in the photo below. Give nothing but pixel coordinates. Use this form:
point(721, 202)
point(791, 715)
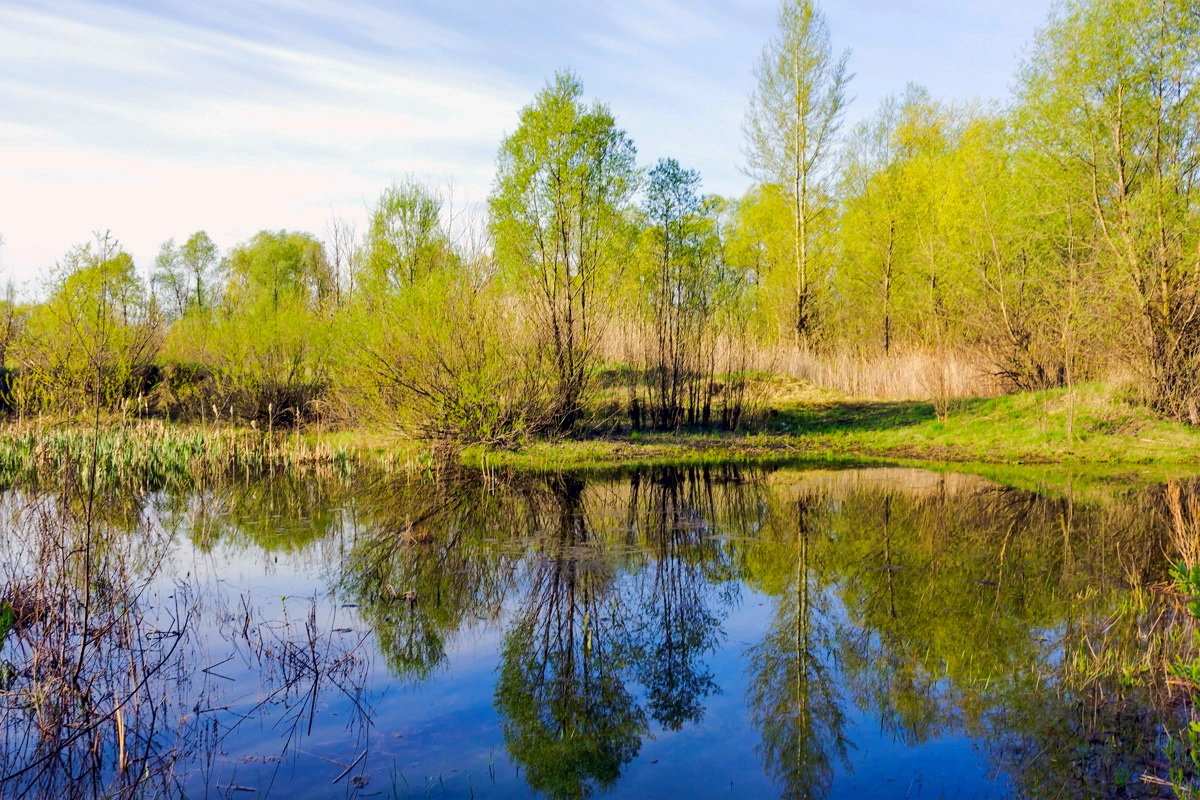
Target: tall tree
point(188, 273)
point(1110, 100)
point(885, 186)
point(201, 260)
point(791, 127)
point(168, 276)
point(560, 220)
point(688, 291)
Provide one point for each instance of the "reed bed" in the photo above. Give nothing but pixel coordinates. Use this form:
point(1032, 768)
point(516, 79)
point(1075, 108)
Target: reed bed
point(157, 455)
point(912, 375)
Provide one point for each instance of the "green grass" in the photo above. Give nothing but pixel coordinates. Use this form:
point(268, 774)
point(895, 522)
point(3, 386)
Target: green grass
point(1051, 441)
point(1092, 431)
point(153, 454)
point(1086, 425)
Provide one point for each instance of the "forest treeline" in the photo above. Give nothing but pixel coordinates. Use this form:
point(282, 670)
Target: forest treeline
point(1052, 240)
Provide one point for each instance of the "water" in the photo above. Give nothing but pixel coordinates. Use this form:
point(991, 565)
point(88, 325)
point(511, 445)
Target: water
point(720, 633)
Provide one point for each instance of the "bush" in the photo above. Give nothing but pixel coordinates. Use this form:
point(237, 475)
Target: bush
point(442, 359)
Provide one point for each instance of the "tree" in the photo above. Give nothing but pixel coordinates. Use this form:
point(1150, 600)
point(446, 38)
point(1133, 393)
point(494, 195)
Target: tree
point(791, 128)
point(82, 347)
point(1110, 101)
point(169, 276)
point(268, 341)
point(559, 217)
point(687, 291)
point(188, 273)
point(406, 239)
point(201, 261)
point(889, 184)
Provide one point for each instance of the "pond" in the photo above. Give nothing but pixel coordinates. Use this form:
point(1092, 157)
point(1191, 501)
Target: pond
point(700, 633)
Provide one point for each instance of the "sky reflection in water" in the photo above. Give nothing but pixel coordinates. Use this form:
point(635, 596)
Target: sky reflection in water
point(714, 633)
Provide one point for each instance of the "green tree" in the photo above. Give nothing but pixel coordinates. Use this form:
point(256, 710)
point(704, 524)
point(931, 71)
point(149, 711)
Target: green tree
point(406, 239)
point(791, 128)
point(268, 344)
point(690, 295)
point(1109, 102)
point(188, 274)
point(758, 243)
point(169, 278)
point(278, 268)
point(202, 262)
point(560, 220)
point(890, 185)
point(83, 347)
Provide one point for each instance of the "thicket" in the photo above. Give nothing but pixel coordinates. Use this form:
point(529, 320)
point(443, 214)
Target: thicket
point(1049, 241)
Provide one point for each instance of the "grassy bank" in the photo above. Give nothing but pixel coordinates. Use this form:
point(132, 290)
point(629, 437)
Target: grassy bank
point(1092, 430)
point(1091, 427)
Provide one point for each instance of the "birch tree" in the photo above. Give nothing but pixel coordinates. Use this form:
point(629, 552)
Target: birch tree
point(791, 129)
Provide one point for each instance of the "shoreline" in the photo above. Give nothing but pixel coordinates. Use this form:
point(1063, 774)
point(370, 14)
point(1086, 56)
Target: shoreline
point(1088, 433)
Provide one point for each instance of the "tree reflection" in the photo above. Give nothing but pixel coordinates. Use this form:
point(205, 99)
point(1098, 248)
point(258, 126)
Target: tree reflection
point(793, 694)
point(568, 716)
point(937, 605)
point(423, 568)
point(678, 613)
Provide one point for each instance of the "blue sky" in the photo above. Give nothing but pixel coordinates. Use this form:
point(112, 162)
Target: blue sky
point(155, 119)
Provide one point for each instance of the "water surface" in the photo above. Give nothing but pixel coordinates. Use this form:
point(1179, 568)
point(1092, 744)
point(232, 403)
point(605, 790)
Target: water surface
point(711, 633)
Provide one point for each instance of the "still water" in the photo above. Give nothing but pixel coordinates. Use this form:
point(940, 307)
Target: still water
point(717, 633)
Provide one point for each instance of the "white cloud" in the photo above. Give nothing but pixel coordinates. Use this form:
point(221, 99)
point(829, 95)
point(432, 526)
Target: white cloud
point(157, 119)
point(324, 134)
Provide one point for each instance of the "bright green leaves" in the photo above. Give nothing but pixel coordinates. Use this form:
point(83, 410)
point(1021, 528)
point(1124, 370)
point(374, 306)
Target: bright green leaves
point(406, 240)
point(279, 268)
point(81, 348)
point(560, 218)
point(1109, 105)
point(791, 129)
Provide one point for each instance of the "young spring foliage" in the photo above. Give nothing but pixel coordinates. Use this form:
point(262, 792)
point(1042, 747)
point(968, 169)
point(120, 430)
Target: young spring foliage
point(561, 222)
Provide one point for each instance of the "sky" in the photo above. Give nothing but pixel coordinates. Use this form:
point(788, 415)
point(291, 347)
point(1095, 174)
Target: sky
point(155, 119)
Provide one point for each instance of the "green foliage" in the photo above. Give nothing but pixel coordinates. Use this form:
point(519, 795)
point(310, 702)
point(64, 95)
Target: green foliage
point(267, 344)
point(188, 275)
point(445, 359)
point(1045, 245)
point(759, 243)
point(84, 346)
point(560, 221)
point(279, 269)
point(1109, 104)
point(406, 240)
point(791, 127)
point(691, 305)
point(8, 618)
point(890, 273)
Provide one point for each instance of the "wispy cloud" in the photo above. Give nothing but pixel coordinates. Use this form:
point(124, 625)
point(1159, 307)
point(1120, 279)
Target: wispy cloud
point(154, 119)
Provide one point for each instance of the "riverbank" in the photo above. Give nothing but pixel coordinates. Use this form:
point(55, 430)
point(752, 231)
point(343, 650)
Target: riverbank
point(1089, 426)
point(1092, 429)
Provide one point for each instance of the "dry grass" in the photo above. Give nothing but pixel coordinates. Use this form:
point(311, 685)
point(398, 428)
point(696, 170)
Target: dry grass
point(913, 375)
point(918, 374)
point(1183, 508)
